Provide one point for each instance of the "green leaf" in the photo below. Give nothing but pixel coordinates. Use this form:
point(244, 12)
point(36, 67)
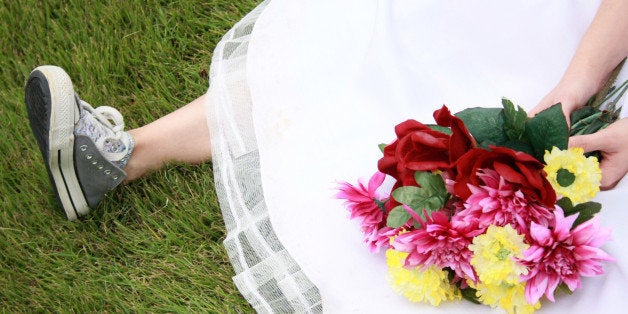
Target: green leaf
point(418, 199)
point(430, 196)
point(514, 120)
point(381, 204)
point(564, 288)
point(546, 130)
point(432, 182)
point(397, 217)
point(407, 194)
point(586, 210)
point(567, 206)
point(439, 128)
point(470, 294)
point(381, 147)
point(485, 124)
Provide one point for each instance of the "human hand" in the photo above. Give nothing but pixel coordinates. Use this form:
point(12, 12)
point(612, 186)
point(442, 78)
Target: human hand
point(570, 93)
point(612, 142)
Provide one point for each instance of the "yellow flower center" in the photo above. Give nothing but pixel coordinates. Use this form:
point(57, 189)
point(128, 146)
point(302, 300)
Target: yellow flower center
point(503, 253)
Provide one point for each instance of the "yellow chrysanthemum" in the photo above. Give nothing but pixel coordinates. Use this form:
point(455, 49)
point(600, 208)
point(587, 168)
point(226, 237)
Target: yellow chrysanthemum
point(430, 285)
point(572, 174)
point(494, 253)
point(510, 297)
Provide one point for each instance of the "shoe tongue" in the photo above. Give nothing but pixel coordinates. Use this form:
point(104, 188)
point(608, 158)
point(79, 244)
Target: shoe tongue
point(112, 147)
point(89, 126)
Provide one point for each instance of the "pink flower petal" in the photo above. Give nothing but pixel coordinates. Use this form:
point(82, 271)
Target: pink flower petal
point(540, 234)
point(535, 287)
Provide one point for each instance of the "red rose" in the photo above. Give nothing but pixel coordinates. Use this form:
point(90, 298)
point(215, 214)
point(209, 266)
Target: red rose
point(518, 168)
point(419, 148)
point(461, 140)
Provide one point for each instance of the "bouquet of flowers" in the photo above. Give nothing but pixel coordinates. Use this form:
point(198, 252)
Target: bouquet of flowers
point(487, 205)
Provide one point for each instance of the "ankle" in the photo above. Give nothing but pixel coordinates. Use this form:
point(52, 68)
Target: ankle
point(133, 171)
point(143, 159)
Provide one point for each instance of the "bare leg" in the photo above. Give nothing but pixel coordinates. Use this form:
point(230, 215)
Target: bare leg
point(181, 136)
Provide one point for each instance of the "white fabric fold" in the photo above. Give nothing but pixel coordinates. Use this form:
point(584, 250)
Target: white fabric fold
point(266, 274)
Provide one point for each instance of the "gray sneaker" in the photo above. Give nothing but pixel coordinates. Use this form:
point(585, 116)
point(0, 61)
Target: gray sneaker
point(85, 149)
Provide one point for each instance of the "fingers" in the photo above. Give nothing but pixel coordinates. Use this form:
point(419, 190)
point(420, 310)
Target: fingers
point(601, 140)
point(611, 138)
point(589, 143)
point(610, 175)
point(611, 142)
point(592, 142)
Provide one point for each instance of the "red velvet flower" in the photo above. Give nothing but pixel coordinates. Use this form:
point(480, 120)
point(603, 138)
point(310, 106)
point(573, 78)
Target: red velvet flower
point(520, 169)
point(419, 148)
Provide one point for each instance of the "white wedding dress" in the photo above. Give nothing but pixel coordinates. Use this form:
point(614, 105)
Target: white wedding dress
point(301, 93)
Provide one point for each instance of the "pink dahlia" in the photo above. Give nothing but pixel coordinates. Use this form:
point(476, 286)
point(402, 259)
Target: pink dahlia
point(377, 238)
point(365, 202)
point(558, 254)
point(499, 202)
point(362, 200)
point(441, 243)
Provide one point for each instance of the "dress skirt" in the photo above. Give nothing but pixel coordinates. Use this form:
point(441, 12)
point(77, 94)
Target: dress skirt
point(302, 92)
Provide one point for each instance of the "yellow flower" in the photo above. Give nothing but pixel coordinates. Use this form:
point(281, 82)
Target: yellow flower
point(430, 285)
point(494, 253)
point(572, 174)
point(510, 297)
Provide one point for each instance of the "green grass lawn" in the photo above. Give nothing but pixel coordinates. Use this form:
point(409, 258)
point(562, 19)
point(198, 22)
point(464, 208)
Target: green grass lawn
point(154, 245)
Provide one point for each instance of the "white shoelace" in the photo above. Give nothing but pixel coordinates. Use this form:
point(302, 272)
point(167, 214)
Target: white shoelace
point(111, 119)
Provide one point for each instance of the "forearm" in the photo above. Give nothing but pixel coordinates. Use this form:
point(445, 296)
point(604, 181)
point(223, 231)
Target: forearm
point(603, 46)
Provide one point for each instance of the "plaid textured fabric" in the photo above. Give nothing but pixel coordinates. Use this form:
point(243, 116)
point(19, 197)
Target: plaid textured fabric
point(266, 274)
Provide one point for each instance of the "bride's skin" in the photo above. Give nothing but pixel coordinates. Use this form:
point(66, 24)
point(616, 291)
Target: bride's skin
point(603, 47)
point(182, 135)
point(612, 143)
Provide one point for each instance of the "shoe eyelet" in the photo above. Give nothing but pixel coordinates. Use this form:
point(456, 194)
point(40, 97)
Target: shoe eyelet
point(95, 162)
point(115, 177)
point(107, 171)
point(89, 156)
point(100, 166)
point(83, 148)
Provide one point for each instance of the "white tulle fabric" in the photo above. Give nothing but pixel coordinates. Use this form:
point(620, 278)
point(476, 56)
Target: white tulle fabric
point(324, 82)
point(266, 275)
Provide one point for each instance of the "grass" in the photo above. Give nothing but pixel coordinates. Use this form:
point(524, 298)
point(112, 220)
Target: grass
point(154, 245)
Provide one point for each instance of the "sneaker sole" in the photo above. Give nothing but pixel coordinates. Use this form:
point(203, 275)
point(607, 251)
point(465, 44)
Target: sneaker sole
point(53, 112)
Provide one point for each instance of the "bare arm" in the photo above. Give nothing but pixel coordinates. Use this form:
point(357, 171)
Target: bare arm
point(601, 49)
